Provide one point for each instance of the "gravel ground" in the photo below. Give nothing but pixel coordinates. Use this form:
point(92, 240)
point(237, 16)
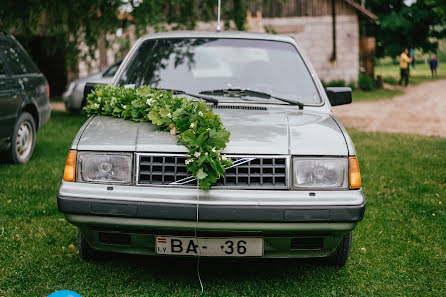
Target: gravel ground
point(421, 110)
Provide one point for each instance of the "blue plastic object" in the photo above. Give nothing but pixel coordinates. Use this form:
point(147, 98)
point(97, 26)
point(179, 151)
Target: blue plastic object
point(64, 293)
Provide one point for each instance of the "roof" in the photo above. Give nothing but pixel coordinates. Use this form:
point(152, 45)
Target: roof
point(362, 10)
point(224, 34)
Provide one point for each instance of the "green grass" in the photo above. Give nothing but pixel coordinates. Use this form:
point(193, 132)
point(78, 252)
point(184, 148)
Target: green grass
point(421, 73)
point(390, 74)
point(399, 249)
point(378, 94)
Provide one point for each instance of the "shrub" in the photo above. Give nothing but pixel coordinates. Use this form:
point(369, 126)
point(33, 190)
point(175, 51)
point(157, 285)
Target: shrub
point(365, 83)
point(335, 83)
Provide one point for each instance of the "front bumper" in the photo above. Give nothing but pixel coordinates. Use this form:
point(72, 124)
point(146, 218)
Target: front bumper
point(211, 213)
point(127, 219)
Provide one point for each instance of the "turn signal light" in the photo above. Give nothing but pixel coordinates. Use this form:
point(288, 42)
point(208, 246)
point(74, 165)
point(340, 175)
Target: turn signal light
point(69, 174)
point(354, 175)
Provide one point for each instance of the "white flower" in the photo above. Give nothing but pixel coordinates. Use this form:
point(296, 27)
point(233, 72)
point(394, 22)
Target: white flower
point(96, 105)
point(188, 161)
point(149, 101)
point(197, 154)
point(169, 115)
point(200, 114)
point(214, 150)
point(124, 106)
point(206, 153)
point(224, 158)
point(192, 125)
point(99, 99)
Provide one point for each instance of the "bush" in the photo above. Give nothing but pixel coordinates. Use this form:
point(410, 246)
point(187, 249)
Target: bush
point(334, 83)
point(365, 83)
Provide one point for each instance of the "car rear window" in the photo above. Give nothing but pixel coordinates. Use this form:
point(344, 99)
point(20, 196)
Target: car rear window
point(16, 57)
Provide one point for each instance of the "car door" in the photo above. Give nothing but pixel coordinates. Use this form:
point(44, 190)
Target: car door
point(11, 94)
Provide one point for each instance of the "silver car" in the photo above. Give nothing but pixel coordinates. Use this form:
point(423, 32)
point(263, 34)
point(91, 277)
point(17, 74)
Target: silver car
point(73, 96)
point(294, 190)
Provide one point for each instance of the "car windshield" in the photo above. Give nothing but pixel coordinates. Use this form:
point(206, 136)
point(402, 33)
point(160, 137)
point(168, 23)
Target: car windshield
point(196, 65)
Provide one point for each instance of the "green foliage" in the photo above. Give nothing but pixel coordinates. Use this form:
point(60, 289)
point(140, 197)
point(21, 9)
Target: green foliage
point(365, 83)
point(401, 26)
point(69, 23)
point(334, 83)
point(195, 125)
point(352, 85)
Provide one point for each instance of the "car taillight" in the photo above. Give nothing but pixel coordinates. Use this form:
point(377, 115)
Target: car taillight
point(47, 90)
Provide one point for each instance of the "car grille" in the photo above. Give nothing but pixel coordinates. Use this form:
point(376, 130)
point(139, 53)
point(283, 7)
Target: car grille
point(266, 172)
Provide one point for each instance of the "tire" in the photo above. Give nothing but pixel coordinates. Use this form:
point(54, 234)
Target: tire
point(23, 139)
point(85, 251)
point(342, 252)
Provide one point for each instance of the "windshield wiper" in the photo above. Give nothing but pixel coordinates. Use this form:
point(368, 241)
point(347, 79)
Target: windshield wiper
point(199, 96)
point(250, 93)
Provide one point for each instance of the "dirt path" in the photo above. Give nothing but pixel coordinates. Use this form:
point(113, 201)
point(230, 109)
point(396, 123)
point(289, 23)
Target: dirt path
point(421, 110)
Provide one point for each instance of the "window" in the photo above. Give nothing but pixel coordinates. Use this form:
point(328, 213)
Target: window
point(200, 64)
point(17, 59)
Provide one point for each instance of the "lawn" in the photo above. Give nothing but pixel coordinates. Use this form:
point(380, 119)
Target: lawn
point(390, 74)
point(421, 73)
point(399, 249)
point(377, 94)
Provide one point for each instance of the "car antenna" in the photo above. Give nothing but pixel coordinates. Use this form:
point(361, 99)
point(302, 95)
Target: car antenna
point(218, 16)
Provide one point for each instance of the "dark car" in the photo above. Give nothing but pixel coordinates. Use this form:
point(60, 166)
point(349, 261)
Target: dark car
point(24, 100)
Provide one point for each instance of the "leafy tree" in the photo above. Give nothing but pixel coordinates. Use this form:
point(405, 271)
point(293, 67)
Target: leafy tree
point(68, 23)
point(415, 26)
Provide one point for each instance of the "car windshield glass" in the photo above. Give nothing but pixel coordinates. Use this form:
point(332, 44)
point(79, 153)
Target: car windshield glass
point(195, 65)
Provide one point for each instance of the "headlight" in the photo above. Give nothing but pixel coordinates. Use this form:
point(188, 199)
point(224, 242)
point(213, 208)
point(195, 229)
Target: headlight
point(104, 167)
point(320, 172)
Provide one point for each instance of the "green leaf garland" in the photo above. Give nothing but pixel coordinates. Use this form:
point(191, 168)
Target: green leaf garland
point(195, 125)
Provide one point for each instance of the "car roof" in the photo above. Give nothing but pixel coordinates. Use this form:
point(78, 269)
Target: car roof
point(214, 34)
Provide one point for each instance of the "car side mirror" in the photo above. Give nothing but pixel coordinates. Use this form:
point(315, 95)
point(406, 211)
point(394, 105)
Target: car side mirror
point(339, 95)
point(89, 86)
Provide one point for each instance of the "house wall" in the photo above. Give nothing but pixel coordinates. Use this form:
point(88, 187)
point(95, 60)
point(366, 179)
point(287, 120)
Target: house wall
point(314, 36)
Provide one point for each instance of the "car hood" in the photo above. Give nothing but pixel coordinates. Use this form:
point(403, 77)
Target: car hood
point(271, 131)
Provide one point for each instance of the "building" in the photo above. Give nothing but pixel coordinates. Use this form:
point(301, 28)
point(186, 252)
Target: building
point(327, 30)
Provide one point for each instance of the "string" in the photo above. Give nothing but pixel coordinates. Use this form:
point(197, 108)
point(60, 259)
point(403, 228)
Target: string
point(196, 238)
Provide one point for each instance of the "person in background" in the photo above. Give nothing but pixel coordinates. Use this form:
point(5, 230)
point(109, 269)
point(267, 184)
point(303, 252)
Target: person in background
point(412, 55)
point(404, 67)
point(433, 63)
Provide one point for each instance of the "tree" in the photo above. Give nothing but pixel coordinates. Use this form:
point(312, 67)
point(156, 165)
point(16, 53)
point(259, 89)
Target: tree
point(68, 23)
point(400, 26)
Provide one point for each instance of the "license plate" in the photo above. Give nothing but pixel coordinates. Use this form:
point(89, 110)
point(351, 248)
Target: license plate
point(210, 247)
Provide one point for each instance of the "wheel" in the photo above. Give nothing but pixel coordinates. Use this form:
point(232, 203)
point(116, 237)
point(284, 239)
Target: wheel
point(85, 251)
point(340, 255)
point(23, 139)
